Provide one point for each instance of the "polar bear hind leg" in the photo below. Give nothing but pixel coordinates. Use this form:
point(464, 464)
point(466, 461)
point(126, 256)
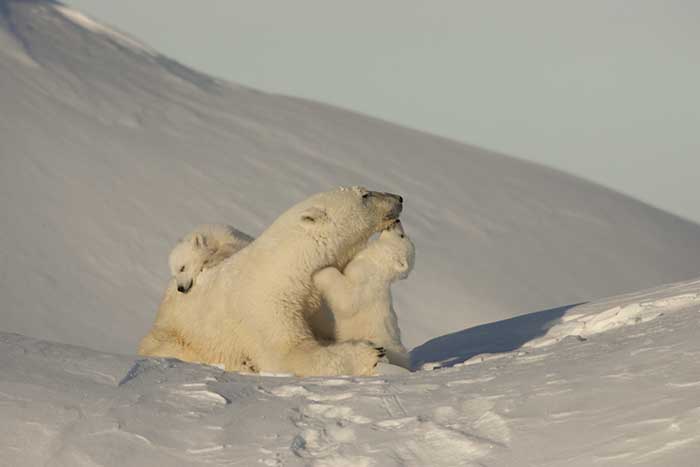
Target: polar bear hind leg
point(161, 343)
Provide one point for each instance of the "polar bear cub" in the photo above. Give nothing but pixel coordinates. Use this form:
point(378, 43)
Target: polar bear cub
point(360, 297)
point(203, 248)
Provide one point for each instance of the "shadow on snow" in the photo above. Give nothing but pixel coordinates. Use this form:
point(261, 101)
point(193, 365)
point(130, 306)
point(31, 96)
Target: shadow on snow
point(496, 337)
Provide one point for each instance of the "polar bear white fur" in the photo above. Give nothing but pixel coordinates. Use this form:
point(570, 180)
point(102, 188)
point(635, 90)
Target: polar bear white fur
point(255, 306)
point(203, 248)
point(360, 296)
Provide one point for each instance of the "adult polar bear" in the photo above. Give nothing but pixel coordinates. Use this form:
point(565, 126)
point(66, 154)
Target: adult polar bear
point(257, 305)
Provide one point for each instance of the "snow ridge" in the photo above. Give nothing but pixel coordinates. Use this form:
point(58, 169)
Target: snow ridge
point(84, 21)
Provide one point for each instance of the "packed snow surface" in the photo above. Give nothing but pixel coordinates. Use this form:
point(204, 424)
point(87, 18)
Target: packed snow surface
point(109, 154)
point(612, 383)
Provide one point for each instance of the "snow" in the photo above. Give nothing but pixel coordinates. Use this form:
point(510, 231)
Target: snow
point(109, 152)
point(625, 394)
point(92, 25)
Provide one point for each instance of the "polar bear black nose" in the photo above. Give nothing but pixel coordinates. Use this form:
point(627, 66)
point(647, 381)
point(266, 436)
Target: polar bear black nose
point(400, 199)
point(184, 288)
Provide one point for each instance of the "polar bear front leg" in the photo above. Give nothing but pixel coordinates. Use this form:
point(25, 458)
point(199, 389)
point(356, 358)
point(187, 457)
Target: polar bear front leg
point(309, 358)
point(337, 290)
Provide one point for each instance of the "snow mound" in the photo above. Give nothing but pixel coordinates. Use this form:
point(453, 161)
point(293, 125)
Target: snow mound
point(624, 395)
point(586, 322)
point(542, 329)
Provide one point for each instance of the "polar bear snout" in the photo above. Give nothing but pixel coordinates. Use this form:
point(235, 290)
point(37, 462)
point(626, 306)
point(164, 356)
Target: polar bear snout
point(394, 205)
point(398, 197)
point(184, 288)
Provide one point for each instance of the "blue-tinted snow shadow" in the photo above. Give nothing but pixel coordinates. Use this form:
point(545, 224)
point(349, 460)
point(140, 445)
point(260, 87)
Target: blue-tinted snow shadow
point(497, 337)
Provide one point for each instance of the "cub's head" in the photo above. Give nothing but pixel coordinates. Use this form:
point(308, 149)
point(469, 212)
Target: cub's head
point(393, 252)
point(187, 260)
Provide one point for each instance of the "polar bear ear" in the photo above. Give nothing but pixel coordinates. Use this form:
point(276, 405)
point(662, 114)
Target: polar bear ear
point(313, 215)
point(200, 241)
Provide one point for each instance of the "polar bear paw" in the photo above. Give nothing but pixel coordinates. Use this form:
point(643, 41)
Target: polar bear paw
point(363, 357)
point(381, 351)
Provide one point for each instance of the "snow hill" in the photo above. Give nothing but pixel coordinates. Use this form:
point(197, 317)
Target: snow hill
point(110, 151)
point(610, 383)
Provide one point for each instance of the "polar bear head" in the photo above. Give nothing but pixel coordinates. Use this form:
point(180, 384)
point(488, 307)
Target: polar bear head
point(329, 228)
point(392, 254)
point(187, 260)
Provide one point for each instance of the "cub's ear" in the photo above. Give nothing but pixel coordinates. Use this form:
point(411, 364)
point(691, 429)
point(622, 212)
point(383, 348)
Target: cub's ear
point(200, 241)
point(314, 215)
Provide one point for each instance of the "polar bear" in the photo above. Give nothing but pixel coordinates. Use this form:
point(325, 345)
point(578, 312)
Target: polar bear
point(256, 305)
point(360, 296)
point(203, 248)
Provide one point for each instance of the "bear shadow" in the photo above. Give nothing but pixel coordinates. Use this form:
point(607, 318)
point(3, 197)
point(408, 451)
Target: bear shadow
point(497, 337)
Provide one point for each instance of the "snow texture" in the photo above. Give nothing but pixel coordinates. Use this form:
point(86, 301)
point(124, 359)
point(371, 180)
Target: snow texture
point(612, 383)
point(109, 154)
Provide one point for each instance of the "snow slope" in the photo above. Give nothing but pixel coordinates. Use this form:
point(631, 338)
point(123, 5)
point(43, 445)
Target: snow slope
point(610, 383)
point(110, 151)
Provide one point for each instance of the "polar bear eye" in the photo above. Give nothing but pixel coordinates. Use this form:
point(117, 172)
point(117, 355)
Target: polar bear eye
point(182, 269)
